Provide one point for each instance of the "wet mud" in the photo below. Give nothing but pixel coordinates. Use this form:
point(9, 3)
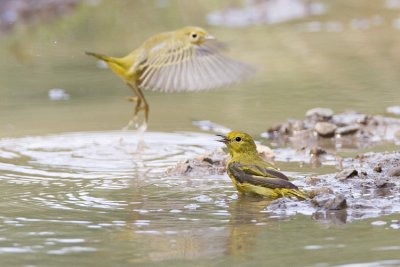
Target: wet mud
point(321, 130)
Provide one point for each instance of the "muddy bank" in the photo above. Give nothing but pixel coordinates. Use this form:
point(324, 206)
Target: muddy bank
point(364, 187)
point(322, 130)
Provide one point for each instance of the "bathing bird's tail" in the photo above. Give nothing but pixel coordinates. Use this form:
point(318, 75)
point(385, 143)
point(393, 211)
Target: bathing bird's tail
point(285, 192)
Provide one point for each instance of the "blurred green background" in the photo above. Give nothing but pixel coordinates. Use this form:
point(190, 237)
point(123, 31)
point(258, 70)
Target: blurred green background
point(346, 58)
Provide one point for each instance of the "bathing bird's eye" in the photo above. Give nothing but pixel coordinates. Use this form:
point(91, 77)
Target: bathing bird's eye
point(238, 139)
point(194, 35)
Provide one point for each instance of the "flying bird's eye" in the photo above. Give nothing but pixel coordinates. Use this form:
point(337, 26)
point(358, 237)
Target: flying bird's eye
point(238, 139)
point(194, 35)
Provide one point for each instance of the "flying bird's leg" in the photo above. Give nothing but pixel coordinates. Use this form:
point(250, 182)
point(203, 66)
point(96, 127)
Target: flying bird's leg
point(145, 107)
point(138, 99)
point(135, 99)
point(138, 102)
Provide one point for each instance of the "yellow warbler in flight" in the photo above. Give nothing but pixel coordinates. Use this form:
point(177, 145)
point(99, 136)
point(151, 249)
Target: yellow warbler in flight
point(188, 59)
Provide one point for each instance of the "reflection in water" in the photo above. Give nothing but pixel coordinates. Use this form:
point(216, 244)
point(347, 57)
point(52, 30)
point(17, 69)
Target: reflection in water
point(245, 219)
point(336, 217)
point(100, 181)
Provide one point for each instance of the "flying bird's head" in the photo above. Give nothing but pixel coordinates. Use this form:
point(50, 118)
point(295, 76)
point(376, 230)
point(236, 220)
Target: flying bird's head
point(239, 143)
point(195, 35)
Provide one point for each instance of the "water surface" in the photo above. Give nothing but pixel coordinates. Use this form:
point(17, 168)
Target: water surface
point(92, 197)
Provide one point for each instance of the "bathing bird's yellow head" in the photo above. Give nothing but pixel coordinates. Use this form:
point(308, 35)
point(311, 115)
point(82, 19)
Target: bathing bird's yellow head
point(239, 143)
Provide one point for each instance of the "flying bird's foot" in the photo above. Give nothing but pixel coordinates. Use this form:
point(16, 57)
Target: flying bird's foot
point(141, 104)
point(135, 99)
point(135, 121)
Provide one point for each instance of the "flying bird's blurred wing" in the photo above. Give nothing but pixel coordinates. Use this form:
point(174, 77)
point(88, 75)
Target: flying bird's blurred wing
point(175, 66)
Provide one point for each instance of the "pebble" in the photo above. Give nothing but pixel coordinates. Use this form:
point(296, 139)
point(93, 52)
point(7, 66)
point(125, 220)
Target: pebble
point(208, 160)
point(395, 171)
point(378, 168)
point(325, 129)
point(337, 203)
point(312, 180)
point(183, 167)
point(347, 130)
point(346, 174)
point(297, 125)
point(330, 202)
point(397, 134)
point(382, 183)
point(320, 114)
point(266, 153)
point(317, 151)
point(319, 191)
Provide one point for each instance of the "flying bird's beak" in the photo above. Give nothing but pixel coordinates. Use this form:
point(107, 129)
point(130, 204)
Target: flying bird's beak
point(210, 37)
point(224, 139)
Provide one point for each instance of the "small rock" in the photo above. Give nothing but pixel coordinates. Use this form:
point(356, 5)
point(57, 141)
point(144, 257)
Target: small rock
point(297, 125)
point(349, 118)
point(384, 184)
point(181, 168)
point(317, 151)
point(365, 185)
point(337, 203)
point(347, 130)
point(208, 160)
point(286, 128)
point(319, 114)
point(394, 172)
point(266, 153)
point(274, 129)
point(346, 174)
point(378, 168)
point(312, 180)
point(325, 129)
point(319, 191)
point(330, 202)
point(365, 119)
point(397, 134)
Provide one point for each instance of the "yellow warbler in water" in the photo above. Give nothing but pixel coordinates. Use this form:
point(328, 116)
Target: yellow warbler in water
point(187, 59)
point(251, 174)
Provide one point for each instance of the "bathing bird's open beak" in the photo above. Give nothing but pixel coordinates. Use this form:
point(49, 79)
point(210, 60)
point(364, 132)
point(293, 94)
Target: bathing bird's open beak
point(224, 139)
point(210, 37)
